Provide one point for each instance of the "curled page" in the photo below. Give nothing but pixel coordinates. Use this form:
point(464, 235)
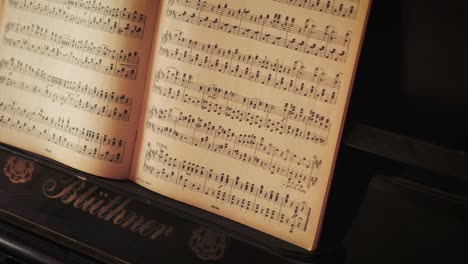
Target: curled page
point(245, 108)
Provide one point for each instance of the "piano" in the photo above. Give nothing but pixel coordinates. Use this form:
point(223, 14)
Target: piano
point(399, 193)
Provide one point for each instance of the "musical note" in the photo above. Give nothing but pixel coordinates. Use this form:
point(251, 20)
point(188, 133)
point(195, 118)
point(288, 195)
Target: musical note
point(341, 8)
point(211, 93)
point(115, 20)
point(228, 189)
point(326, 43)
point(274, 22)
point(65, 48)
point(294, 79)
point(280, 127)
point(38, 74)
point(224, 142)
point(65, 92)
point(58, 130)
point(297, 70)
point(64, 40)
point(197, 125)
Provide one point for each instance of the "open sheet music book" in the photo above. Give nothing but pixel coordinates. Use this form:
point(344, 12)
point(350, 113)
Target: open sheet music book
point(235, 107)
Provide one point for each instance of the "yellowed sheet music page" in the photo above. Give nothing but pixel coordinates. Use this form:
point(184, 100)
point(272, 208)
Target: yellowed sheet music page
point(72, 79)
point(245, 108)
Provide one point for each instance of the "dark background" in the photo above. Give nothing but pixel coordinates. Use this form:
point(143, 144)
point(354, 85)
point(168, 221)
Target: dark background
point(411, 81)
point(412, 72)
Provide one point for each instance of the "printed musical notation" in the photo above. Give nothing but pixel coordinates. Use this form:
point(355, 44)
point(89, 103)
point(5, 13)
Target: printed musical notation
point(271, 29)
point(251, 111)
point(298, 172)
point(59, 131)
point(224, 188)
point(280, 127)
point(91, 14)
point(293, 79)
point(76, 94)
point(65, 48)
point(342, 8)
point(197, 125)
point(38, 32)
